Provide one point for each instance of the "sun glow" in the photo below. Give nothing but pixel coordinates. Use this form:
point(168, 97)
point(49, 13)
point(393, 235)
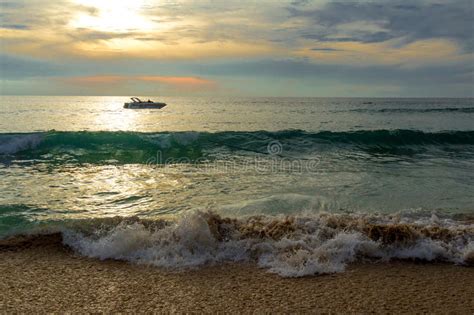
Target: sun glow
point(113, 117)
point(113, 16)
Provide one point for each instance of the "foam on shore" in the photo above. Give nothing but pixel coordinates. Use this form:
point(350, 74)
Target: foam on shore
point(291, 246)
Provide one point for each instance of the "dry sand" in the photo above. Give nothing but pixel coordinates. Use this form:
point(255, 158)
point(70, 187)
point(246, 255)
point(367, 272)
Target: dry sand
point(41, 275)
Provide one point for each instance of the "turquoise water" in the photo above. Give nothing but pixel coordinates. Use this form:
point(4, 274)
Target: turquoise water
point(65, 160)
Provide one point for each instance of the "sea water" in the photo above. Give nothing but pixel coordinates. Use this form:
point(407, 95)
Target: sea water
point(299, 185)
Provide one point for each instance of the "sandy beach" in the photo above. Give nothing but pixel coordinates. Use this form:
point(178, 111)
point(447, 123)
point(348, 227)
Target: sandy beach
point(41, 275)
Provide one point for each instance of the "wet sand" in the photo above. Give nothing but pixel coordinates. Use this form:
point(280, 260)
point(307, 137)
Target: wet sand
point(41, 275)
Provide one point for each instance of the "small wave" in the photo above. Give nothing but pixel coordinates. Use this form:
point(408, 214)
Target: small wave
point(291, 246)
point(465, 110)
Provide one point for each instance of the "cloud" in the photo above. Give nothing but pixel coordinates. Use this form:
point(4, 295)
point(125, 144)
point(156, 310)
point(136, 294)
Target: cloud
point(38, 14)
point(174, 29)
point(188, 29)
point(304, 69)
point(184, 82)
point(189, 82)
point(84, 34)
point(325, 49)
point(14, 26)
point(414, 54)
point(418, 20)
point(18, 68)
point(135, 85)
point(393, 43)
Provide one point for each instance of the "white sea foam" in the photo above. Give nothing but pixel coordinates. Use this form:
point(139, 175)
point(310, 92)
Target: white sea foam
point(11, 144)
point(290, 247)
point(468, 253)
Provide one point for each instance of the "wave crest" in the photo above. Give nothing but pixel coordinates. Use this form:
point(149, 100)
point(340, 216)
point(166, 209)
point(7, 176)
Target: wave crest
point(133, 147)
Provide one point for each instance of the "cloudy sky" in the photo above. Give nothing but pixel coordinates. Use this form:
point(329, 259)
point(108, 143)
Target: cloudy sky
point(252, 48)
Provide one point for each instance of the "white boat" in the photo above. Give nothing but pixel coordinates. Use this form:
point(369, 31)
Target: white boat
point(137, 104)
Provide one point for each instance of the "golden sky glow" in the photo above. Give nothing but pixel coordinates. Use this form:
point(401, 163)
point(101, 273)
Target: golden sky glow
point(413, 54)
point(112, 16)
point(87, 40)
point(182, 82)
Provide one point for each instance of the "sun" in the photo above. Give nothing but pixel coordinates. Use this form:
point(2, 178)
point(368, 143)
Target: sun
point(113, 16)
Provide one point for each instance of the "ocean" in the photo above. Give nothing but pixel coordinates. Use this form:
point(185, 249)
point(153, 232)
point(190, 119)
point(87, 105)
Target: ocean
point(300, 186)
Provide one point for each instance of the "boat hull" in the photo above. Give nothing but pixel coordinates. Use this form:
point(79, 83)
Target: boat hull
point(144, 105)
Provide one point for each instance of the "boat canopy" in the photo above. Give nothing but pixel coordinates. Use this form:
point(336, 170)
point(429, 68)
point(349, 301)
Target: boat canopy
point(136, 100)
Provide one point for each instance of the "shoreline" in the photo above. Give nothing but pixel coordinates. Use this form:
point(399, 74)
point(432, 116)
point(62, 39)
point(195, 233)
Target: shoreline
point(42, 275)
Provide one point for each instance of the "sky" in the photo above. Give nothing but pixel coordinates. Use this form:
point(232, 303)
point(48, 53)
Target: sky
point(384, 48)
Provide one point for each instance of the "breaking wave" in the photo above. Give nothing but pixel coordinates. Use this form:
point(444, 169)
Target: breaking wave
point(133, 147)
point(291, 246)
point(14, 143)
